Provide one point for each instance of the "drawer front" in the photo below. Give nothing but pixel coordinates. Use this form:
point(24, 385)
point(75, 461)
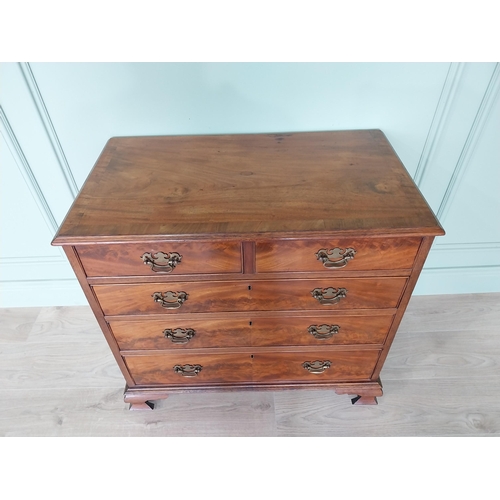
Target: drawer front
point(161, 259)
point(170, 333)
point(185, 369)
point(315, 366)
point(271, 367)
point(173, 298)
point(320, 330)
point(332, 294)
point(227, 296)
point(336, 255)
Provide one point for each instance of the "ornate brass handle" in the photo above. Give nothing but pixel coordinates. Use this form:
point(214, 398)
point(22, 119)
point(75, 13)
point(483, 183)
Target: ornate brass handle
point(170, 300)
point(317, 366)
point(335, 257)
point(323, 331)
point(329, 296)
point(188, 370)
point(179, 335)
point(161, 262)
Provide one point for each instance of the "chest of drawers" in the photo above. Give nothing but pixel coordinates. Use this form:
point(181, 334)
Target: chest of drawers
point(260, 261)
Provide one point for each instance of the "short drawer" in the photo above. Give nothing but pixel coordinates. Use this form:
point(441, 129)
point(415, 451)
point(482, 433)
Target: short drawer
point(315, 366)
point(161, 259)
point(336, 255)
point(228, 296)
point(311, 330)
point(188, 369)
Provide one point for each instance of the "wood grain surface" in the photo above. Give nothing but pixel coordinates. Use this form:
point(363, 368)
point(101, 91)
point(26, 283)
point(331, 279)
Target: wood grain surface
point(371, 293)
point(345, 366)
point(345, 181)
point(147, 333)
point(277, 367)
point(158, 369)
point(198, 257)
point(371, 254)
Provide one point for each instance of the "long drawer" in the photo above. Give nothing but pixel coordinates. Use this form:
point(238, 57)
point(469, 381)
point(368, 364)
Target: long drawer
point(192, 333)
point(226, 296)
point(161, 258)
point(336, 254)
point(197, 369)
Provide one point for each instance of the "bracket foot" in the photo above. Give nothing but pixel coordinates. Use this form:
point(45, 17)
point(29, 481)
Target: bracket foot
point(147, 405)
point(364, 400)
point(142, 399)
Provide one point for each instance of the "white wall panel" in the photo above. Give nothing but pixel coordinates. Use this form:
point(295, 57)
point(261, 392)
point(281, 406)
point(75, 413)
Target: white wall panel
point(25, 233)
point(24, 119)
point(467, 259)
point(27, 260)
point(471, 207)
point(463, 96)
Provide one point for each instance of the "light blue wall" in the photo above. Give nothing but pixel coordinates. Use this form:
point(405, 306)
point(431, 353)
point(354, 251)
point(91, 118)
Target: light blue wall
point(442, 119)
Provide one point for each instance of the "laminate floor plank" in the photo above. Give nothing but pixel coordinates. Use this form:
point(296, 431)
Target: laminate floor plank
point(16, 323)
point(446, 354)
point(57, 365)
point(101, 412)
point(451, 312)
point(441, 378)
point(66, 324)
point(436, 407)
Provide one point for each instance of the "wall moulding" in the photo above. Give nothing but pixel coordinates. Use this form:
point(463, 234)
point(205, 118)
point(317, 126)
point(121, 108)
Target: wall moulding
point(26, 171)
point(41, 293)
point(443, 107)
point(463, 255)
point(454, 127)
point(472, 138)
point(49, 127)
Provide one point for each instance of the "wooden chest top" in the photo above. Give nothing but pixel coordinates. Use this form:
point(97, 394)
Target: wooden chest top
point(276, 185)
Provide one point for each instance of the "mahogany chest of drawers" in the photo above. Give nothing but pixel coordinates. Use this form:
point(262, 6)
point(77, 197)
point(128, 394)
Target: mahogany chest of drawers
point(260, 261)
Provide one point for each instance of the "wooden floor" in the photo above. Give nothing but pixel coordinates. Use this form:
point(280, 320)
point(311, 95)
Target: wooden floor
point(441, 378)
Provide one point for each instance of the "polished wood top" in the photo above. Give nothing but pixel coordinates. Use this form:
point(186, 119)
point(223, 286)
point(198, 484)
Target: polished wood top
point(297, 184)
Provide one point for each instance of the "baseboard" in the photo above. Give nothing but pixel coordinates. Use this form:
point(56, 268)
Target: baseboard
point(440, 281)
point(41, 293)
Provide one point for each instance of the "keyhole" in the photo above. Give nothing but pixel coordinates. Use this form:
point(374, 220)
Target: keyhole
point(249, 287)
point(250, 323)
point(251, 355)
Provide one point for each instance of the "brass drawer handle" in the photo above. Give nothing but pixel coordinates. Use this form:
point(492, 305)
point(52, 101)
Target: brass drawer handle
point(179, 335)
point(170, 300)
point(335, 257)
point(329, 296)
point(322, 332)
point(188, 370)
point(316, 367)
point(161, 262)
